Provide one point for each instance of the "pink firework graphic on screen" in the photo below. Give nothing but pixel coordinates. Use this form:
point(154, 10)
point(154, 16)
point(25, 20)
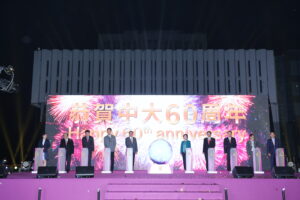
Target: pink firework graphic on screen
point(74, 114)
point(240, 103)
point(232, 108)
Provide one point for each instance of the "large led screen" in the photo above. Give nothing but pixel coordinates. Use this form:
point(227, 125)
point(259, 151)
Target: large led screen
point(158, 116)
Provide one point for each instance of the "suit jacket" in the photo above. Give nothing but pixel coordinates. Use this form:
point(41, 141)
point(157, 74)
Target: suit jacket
point(88, 144)
point(212, 144)
point(69, 146)
point(249, 147)
point(270, 146)
point(46, 145)
point(110, 142)
point(188, 145)
point(228, 145)
point(132, 145)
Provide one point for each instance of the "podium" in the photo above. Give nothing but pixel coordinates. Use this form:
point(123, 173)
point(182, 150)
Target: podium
point(280, 162)
point(84, 157)
point(129, 161)
point(257, 163)
point(106, 166)
point(38, 159)
point(211, 161)
point(233, 158)
point(189, 161)
point(61, 160)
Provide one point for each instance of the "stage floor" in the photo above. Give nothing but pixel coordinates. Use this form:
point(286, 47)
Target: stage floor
point(144, 174)
point(23, 186)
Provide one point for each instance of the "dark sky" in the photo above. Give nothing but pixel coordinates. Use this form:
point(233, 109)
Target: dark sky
point(28, 25)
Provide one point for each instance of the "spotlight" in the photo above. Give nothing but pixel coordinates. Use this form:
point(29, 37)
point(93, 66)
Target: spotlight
point(3, 162)
point(7, 79)
point(25, 166)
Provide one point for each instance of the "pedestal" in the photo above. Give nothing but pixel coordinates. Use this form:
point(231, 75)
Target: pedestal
point(38, 159)
point(129, 161)
point(257, 163)
point(189, 161)
point(211, 161)
point(84, 157)
point(61, 160)
point(233, 158)
point(106, 166)
point(280, 162)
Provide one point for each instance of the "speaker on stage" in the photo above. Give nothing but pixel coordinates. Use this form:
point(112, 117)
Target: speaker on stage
point(283, 172)
point(84, 172)
point(242, 172)
point(47, 172)
point(3, 172)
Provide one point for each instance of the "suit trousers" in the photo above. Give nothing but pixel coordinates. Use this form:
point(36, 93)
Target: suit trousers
point(206, 159)
point(90, 158)
point(68, 161)
point(184, 160)
point(228, 162)
point(272, 161)
point(112, 161)
point(133, 158)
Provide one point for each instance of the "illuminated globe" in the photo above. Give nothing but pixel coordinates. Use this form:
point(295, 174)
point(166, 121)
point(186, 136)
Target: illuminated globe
point(160, 151)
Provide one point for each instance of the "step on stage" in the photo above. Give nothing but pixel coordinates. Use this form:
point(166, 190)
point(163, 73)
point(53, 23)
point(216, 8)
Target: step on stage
point(142, 186)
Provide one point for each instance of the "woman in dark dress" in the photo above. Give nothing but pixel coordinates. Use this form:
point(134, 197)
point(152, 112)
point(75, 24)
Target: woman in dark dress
point(45, 144)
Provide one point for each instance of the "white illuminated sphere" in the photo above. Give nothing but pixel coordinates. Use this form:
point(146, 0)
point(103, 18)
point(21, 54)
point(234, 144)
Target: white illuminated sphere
point(160, 151)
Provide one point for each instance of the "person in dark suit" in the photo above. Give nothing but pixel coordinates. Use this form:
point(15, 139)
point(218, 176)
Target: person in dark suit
point(251, 145)
point(68, 144)
point(272, 144)
point(229, 143)
point(184, 145)
point(110, 142)
point(45, 144)
point(209, 142)
point(131, 142)
point(88, 142)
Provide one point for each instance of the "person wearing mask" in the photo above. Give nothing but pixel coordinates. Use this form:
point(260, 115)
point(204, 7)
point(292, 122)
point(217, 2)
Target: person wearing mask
point(68, 144)
point(110, 142)
point(45, 144)
point(88, 142)
point(131, 142)
point(184, 145)
point(272, 144)
point(229, 143)
point(209, 142)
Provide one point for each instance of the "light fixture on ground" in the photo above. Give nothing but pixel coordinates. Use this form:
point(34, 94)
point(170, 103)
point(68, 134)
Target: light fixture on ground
point(25, 166)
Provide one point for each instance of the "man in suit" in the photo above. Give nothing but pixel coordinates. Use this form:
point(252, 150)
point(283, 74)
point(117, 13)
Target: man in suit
point(88, 142)
point(110, 142)
point(272, 144)
point(229, 143)
point(251, 145)
point(209, 142)
point(131, 142)
point(68, 144)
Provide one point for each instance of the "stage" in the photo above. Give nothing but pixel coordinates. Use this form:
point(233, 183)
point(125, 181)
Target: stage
point(140, 185)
